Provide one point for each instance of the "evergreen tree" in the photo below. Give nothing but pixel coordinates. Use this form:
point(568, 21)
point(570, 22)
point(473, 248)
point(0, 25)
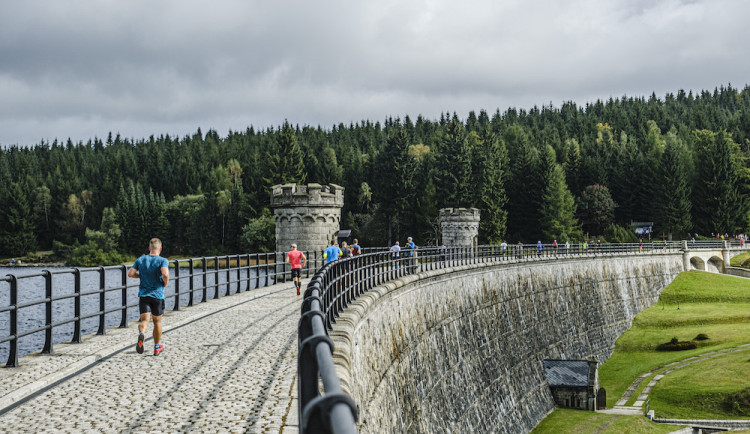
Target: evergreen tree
point(394, 180)
point(720, 205)
point(523, 187)
point(453, 167)
point(558, 208)
point(596, 209)
point(16, 227)
point(286, 161)
point(673, 191)
point(491, 160)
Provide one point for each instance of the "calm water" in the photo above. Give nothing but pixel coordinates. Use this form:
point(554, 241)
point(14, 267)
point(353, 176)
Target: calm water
point(32, 287)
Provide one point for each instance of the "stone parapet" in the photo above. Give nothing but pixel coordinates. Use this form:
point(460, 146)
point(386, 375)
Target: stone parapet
point(312, 195)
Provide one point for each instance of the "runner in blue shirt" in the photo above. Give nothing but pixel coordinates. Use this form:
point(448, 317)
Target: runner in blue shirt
point(153, 271)
point(332, 252)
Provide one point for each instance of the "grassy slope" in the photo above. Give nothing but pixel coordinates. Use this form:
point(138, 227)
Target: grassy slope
point(716, 305)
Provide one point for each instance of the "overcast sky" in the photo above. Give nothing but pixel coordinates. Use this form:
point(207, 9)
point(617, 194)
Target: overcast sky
point(80, 69)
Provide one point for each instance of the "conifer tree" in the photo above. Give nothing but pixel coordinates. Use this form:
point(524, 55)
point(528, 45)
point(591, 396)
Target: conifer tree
point(673, 205)
point(453, 167)
point(558, 209)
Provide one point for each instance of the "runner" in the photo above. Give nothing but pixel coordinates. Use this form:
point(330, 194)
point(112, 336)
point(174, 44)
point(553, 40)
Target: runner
point(153, 271)
point(296, 261)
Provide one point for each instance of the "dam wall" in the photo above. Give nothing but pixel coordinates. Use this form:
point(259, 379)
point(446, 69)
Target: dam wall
point(461, 349)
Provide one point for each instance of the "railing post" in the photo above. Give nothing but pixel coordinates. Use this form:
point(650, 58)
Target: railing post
point(47, 312)
point(239, 274)
point(77, 306)
point(216, 277)
point(205, 282)
point(124, 297)
point(176, 285)
point(102, 307)
point(13, 350)
point(229, 270)
point(192, 281)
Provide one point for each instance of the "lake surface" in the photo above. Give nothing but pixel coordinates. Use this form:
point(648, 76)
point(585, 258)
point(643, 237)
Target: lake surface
point(31, 287)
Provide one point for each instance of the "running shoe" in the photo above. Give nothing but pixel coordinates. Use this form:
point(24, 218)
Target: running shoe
point(158, 349)
point(139, 345)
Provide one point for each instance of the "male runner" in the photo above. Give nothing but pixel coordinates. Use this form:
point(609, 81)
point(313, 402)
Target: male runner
point(153, 270)
point(296, 260)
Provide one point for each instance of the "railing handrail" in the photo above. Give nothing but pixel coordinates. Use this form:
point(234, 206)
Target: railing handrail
point(267, 267)
point(340, 282)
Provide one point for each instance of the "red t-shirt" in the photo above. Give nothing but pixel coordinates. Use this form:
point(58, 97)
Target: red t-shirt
point(295, 259)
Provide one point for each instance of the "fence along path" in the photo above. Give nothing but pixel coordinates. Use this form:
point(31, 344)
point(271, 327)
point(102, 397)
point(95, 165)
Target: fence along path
point(229, 365)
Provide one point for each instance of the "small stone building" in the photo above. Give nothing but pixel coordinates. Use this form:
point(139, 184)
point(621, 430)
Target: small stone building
point(573, 383)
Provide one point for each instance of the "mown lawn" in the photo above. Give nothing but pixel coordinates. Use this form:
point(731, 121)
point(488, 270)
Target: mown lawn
point(715, 305)
point(712, 304)
point(583, 422)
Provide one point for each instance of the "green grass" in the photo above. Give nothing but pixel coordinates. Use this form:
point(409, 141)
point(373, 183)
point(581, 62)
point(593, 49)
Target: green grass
point(713, 304)
point(716, 305)
point(583, 422)
point(704, 389)
point(737, 261)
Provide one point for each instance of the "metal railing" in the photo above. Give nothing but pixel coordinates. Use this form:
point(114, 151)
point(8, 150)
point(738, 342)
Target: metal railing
point(339, 283)
point(193, 280)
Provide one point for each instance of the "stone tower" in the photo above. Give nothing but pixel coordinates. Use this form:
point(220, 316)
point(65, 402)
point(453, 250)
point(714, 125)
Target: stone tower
point(308, 215)
point(460, 226)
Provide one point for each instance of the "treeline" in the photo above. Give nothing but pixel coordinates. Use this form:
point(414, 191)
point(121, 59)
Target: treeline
point(542, 174)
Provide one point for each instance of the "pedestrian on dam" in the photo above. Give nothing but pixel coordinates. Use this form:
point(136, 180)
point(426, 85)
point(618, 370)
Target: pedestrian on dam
point(410, 247)
point(332, 252)
point(153, 272)
point(395, 252)
point(356, 249)
point(296, 261)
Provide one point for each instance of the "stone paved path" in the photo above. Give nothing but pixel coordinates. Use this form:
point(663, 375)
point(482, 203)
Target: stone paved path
point(229, 365)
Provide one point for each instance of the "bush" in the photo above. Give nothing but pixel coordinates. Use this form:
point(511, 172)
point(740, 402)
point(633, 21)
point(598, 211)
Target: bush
point(618, 234)
point(676, 345)
point(737, 403)
point(701, 337)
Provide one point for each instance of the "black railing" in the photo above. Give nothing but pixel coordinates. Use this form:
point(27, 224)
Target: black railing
point(60, 308)
point(339, 283)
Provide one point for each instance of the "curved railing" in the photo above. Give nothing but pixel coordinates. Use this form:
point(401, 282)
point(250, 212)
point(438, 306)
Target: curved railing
point(339, 283)
point(61, 302)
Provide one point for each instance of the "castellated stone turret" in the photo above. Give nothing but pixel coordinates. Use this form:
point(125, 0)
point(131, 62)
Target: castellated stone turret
point(308, 215)
point(460, 226)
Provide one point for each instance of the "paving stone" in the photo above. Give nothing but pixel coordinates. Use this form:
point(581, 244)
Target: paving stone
point(229, 365)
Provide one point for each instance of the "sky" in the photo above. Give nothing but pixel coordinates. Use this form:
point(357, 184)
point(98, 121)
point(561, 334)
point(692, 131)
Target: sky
point(82, 69)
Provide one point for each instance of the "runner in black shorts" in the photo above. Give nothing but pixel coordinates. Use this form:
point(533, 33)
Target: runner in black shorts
point(151, 305)
point(296, 260)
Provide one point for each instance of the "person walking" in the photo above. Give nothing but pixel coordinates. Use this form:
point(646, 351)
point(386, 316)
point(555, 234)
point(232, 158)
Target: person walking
point(296, 260)
point(409, 254)
point(356, 249)
point(332, 253)
point(153, 272)
point(395, 252)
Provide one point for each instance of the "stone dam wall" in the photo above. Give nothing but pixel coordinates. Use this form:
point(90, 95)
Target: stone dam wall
point(461, 350)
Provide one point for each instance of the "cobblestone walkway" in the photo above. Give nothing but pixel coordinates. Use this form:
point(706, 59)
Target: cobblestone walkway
point(229, 365)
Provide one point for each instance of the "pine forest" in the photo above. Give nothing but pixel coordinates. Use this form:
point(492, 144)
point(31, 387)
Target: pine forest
point(565, 173)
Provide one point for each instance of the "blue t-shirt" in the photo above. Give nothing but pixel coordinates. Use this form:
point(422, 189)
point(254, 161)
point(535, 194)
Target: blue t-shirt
point(149, 269)
point(331, 253)
point(410, 246)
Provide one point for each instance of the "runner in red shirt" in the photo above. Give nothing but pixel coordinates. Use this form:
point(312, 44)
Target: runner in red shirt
point(296, 260)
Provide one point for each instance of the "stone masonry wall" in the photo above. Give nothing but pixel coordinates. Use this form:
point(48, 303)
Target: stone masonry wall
point(462, 350)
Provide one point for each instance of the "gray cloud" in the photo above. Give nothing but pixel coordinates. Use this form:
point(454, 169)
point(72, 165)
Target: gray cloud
point(80, 69)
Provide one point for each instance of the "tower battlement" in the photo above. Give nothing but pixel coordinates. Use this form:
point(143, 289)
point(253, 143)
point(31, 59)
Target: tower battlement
point(307, 195)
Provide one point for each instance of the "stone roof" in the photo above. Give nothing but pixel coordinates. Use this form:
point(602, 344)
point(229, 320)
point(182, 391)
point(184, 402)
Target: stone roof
point(571, 373)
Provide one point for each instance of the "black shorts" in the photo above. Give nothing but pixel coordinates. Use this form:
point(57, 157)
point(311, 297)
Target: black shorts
point(150, 304)
point(296, 272)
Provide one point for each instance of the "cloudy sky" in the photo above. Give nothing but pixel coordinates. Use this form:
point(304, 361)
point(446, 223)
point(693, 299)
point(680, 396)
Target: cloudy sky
point(80, 69)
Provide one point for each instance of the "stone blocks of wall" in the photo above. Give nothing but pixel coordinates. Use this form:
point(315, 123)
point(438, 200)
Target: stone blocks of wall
point(308, 215)
point(459, 226)
point(462, 350)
